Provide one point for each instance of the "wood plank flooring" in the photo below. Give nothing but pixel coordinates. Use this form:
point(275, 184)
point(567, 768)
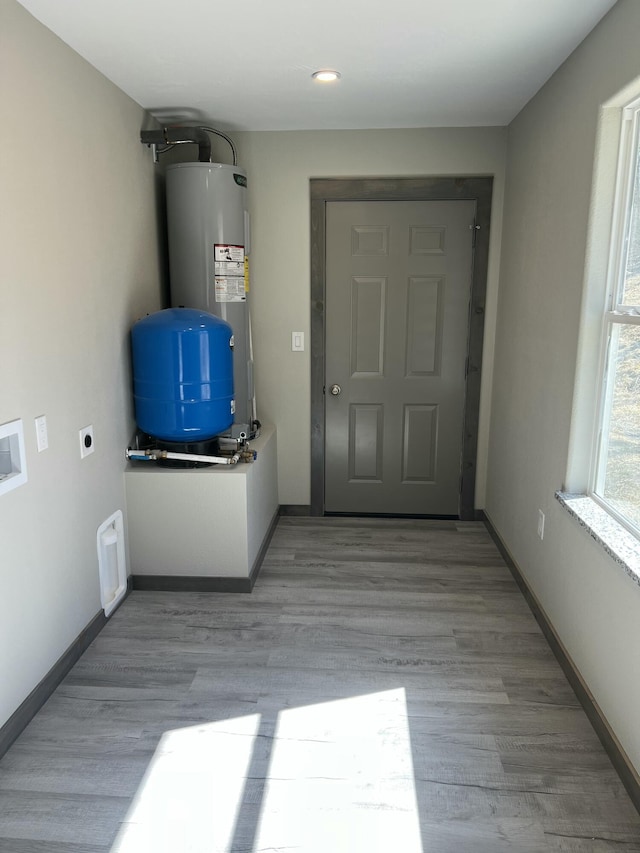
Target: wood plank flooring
point(384, 688)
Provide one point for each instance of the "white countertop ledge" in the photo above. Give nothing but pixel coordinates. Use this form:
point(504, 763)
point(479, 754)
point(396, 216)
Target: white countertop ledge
point(621, 545)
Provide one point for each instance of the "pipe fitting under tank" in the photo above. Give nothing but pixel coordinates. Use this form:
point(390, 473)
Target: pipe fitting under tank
point(154, 454)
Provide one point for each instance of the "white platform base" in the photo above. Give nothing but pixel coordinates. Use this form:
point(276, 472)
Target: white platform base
point(205, 522)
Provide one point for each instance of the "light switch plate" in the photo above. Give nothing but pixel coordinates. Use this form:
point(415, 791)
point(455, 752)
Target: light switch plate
point(42, 436)
point(297, 341)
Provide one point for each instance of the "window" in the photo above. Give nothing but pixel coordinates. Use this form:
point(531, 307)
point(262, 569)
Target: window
point(616, 469)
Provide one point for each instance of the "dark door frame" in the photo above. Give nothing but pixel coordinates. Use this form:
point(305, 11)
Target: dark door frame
point(323, 190)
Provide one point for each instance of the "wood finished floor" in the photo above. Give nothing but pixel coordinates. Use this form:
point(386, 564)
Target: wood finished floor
point(384, 688)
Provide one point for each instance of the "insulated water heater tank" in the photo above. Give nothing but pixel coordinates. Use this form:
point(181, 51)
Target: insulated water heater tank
point(208, 228)
point(182, 375)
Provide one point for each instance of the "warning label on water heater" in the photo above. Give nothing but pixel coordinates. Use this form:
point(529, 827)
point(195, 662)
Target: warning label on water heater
point(230, 289)
point(229, 272)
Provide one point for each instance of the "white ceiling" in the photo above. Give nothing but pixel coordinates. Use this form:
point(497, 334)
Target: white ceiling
point(246, 65)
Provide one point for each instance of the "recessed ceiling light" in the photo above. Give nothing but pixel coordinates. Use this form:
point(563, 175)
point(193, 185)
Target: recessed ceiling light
point(326, 76)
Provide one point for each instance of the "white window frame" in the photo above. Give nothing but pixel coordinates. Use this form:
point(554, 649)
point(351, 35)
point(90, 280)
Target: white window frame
point(616, 314)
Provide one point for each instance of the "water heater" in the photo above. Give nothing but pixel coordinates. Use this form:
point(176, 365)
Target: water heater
point(208, 231)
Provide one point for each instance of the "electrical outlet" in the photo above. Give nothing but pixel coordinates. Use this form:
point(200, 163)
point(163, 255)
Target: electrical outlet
point(87, 444)
point(540, 524)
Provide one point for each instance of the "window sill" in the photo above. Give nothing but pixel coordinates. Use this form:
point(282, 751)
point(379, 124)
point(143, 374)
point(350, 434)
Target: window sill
point(621, 545)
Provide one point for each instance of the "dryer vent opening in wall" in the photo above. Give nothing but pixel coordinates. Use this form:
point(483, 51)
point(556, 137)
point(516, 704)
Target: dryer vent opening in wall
point(111, 562)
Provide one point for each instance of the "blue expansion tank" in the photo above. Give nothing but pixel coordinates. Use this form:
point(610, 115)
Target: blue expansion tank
point(183, 374)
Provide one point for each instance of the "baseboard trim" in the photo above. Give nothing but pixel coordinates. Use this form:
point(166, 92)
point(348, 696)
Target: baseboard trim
point(190, 583)
point(201, 583)
point(614, 749)
point(21, 718)
point(295, 510)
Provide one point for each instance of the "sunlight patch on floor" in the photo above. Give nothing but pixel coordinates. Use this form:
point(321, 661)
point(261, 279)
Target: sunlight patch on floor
point(336, 776)
point(341, 779)
point(192, 790)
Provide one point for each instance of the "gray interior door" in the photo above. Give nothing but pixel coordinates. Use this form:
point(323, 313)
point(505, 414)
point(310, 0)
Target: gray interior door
point(398, 283)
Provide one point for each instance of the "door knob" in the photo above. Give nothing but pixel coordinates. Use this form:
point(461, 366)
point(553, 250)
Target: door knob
point(335, 390)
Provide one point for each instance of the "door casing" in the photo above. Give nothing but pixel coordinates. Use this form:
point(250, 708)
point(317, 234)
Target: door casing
point(323, 190)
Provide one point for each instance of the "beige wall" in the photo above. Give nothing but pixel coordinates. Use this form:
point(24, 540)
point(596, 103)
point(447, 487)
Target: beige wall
point(78, 262)
point(279, 166)
point(594, 606)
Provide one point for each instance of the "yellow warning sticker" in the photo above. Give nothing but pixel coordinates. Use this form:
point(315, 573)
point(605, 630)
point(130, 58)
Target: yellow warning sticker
point(246, 274)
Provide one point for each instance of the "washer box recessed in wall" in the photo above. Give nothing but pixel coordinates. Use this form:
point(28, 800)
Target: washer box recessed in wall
point(13, 461)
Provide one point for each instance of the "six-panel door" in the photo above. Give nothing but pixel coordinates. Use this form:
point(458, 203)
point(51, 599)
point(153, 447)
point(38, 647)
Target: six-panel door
point(397, 315)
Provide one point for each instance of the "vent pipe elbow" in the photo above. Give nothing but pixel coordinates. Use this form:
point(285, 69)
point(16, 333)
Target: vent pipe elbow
point(179, 136)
